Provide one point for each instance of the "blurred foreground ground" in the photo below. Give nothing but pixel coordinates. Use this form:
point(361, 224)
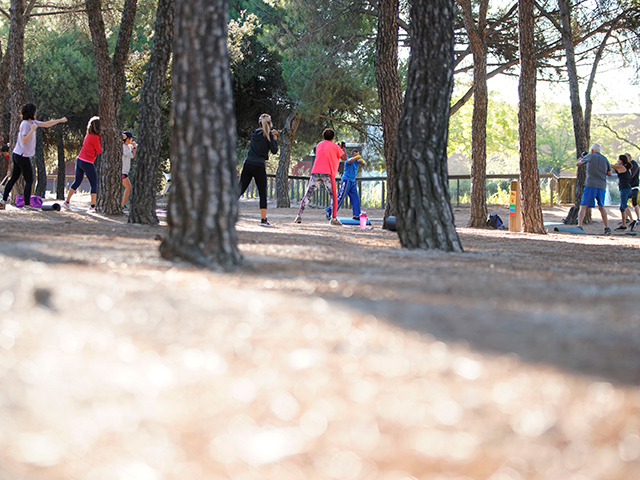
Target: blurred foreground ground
point(332, 354)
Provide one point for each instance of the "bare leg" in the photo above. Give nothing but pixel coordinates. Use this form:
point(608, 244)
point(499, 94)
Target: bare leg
point(127, 191)
point(603, 212)
point(263, 213)
point(70, 194)
point(581, 214)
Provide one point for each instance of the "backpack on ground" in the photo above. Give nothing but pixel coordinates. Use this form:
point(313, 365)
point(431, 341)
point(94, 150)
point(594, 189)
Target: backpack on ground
point(494, 221)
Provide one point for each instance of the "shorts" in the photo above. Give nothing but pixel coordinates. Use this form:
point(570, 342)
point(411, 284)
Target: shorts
point(124, 175)
point(591, 194)
point(634, 196)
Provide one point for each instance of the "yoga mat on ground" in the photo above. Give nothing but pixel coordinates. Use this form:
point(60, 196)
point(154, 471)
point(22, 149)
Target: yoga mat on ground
point(351, 221)
point(569, 229)
point(48, 207)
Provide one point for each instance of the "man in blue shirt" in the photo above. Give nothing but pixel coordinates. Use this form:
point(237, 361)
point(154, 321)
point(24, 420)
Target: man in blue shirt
point(348, 184)
point(598, 169)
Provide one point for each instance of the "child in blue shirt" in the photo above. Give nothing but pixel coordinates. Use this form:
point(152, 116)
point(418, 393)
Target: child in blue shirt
point(348, 184)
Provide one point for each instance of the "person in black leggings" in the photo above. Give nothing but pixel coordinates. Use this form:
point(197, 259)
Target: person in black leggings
point(263, 141)
point(23, 151)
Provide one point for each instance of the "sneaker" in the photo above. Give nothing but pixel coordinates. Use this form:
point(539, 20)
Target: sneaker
point(335, 221)
point(2, 204)
point(355, 218)
point(92, 210)
point(264, 223)
point(632, 225)
point(298, 219)
point(125, 209)
point(607, 231)
point(327, 214)
point(620, 229)
point(66, 206)
point(28, 207)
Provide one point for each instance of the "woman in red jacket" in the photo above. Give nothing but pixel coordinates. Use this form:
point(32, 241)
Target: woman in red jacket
point(91, 147)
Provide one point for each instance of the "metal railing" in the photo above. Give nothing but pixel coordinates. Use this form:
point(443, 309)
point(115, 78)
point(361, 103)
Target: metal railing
point(373, 190)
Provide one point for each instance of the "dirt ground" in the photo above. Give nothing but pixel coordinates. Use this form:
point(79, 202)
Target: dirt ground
point(331, 354)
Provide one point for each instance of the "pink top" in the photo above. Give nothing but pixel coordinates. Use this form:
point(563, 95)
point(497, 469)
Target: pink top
point(91, 147)
point(327, 158)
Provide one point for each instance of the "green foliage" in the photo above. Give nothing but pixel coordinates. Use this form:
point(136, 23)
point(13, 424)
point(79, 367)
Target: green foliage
point(555, 140)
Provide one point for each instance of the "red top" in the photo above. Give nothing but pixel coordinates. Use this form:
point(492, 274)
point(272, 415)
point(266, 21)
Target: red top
point(91, 147)
point(327, 158)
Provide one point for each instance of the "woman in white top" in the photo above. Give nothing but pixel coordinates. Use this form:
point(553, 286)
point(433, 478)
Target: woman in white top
point(25, 148)
point(128, 153)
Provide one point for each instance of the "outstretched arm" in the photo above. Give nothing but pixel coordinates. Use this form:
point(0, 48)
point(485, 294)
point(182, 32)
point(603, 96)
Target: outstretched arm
point(51, 123)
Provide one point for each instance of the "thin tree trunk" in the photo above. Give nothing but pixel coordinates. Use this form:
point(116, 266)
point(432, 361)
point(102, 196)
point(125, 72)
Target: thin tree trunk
point(144, 179)
point(110, 88)
point(60, 183)
point(532, 221)
point(588, 103)
point(389, 90)
point(576, 108)
point(203, 207)
point(16, 80)
point(477, 37)
point(41, 184)
point(284, 161)
point(425, 216)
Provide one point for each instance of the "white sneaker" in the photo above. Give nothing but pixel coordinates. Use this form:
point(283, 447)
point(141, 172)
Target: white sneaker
point(92, 210)
point(66, 206)
point(335, 221)
point(298, 219)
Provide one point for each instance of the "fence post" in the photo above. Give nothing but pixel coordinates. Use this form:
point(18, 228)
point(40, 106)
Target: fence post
point(552, 187)
point(383, 185)
point(515, 218)
point(457, 192)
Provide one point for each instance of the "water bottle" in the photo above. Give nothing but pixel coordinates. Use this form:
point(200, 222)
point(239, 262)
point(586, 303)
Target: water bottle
point(363, 221)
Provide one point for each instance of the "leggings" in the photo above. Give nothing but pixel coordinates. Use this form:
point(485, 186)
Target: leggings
point(314, 182)
point(21, 166)
point(347, 187)
point(259, 173)
point(89, 169)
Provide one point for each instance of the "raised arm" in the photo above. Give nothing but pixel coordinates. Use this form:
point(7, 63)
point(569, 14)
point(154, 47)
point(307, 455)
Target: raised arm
point(51, 123)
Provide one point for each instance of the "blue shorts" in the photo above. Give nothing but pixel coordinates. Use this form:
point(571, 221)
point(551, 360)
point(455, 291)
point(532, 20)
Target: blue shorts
point(591, 194)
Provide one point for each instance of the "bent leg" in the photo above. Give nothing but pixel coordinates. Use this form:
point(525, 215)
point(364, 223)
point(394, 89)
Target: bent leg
point(355, 199)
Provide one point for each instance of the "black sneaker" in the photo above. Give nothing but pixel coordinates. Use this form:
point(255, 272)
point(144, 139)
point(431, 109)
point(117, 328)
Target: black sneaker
point(607, 231)
point(355, 218)
point(264, 223)
point(620, 229)
point(632, 225)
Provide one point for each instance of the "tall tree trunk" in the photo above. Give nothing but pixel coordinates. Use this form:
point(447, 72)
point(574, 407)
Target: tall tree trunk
point(425, 216)
point(16, 80)
point(477, 37)
point(389, 90)
point(110, 88)
point(144, 179)
point(579, 131)
point(284, 161)
point(532, 221)
point(5, 69)
point(203, 207)
point(60, 181)
point(38, 161)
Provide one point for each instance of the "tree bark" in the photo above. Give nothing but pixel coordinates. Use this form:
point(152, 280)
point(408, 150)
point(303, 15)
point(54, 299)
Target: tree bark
point(144, 179)
point(532, 221)
point(424, 213)
point(284, 161)
point(203, 206)
point(60, 181)
point(110, 88)
point(477, 38)
point(16, 81)
point(389, 90)
point(579, 131)
point(41, 168)
point(5, 69)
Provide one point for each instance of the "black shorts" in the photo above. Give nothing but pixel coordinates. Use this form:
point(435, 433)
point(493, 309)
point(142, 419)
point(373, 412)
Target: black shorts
point(634, 196)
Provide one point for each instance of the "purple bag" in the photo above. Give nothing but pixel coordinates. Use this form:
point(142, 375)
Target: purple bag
point(19, 201)
point(36, 201)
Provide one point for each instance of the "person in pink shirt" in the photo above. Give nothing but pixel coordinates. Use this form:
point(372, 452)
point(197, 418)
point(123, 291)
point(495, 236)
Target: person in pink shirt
point(91, 147)
point(325, 168)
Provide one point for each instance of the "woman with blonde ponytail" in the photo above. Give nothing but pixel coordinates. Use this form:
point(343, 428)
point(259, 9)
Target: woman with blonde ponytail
point(263, 141)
